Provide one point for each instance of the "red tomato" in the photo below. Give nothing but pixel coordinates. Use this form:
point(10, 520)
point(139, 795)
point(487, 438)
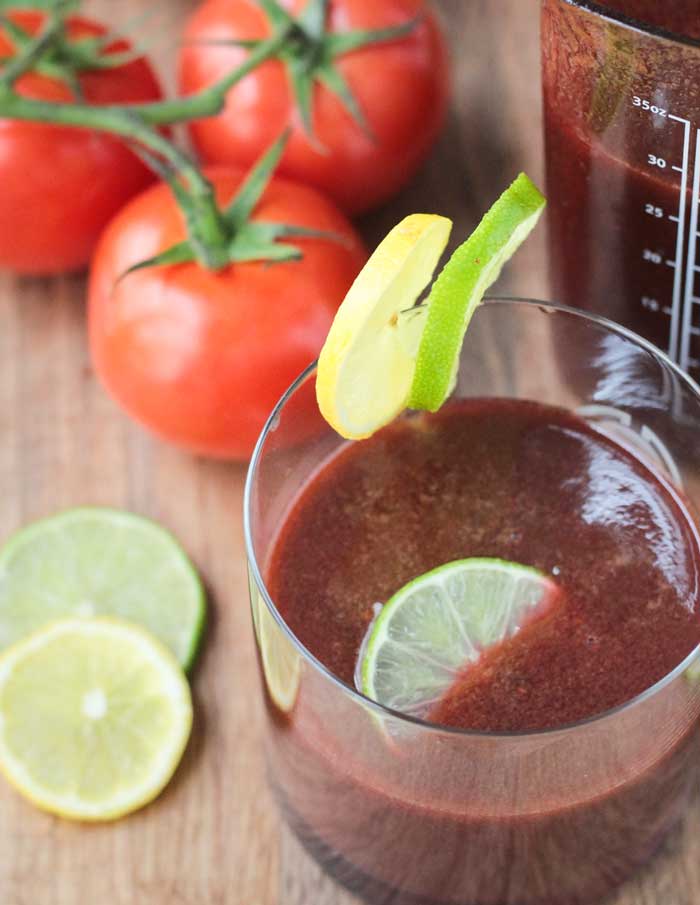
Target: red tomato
point(201, 357)
point(400, 86)
point(60, 186)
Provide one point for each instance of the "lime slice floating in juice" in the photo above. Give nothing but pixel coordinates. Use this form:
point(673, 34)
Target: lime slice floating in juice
point(366, 366)
point(435, 626)
point(94, 717)
point(100, 562)
point(461, 285)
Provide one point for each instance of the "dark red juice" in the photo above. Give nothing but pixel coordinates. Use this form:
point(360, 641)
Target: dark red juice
point(621, 111)
point(410, 815)
point(681, 17)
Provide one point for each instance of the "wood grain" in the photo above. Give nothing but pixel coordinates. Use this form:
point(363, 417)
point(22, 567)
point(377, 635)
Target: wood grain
point(214, 837)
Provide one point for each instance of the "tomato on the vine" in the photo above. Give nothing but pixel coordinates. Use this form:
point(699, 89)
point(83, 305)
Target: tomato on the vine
point(201, 356)
point(399, 88)
point(60, 186)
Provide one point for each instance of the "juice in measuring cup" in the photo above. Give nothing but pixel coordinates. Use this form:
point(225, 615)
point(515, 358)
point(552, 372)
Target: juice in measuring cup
point(622, 111)
point(680, 17)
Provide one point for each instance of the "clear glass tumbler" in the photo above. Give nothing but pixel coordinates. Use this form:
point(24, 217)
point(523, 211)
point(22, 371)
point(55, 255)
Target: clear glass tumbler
point(404, 812)
point(622, 111)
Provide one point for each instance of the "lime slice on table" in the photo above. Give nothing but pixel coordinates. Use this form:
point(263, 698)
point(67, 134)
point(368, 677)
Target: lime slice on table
point(461, 285)
point(100, 562)
point(438, 624)
point(94, 717)
point(366, 366)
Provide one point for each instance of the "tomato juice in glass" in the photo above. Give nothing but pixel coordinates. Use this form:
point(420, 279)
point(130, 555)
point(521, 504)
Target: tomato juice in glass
point(556, 765)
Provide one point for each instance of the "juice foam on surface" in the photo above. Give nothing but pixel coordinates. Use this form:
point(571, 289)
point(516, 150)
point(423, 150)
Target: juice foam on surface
point(518, 481)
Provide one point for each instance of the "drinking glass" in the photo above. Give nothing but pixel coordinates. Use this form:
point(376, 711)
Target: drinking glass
point(404, 812)
point(622, 110)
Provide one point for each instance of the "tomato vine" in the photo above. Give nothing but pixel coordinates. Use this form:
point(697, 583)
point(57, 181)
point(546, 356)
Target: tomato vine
point(215, 237)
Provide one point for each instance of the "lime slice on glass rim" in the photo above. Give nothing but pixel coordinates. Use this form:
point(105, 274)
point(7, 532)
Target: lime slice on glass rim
point(461, 286)
point(384, 353)
point(431, 630)
point(94, 717)
point(100, 562)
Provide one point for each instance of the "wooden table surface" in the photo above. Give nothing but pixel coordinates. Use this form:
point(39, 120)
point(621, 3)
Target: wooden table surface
point(214, 836)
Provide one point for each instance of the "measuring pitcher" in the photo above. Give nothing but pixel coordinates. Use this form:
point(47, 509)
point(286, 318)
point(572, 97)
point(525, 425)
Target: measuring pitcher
point(622, 130)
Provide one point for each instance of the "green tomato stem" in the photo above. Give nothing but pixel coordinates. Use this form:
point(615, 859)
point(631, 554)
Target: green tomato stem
point(32, 52)
point(211, 232)
point(206, 226)
point(207, 102)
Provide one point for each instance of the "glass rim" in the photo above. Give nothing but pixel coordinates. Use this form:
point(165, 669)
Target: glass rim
point(273, 419)
point(612, 15)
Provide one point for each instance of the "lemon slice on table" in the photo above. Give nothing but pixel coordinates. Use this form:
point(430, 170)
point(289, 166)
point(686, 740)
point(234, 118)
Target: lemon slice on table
point(97, 561)
point(366, 366)
point(432, 629)
point(384, 353)
point(94, 717)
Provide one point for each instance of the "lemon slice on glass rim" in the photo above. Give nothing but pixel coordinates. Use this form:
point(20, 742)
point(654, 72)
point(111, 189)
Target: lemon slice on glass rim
point(366, 365)
point(384, 353)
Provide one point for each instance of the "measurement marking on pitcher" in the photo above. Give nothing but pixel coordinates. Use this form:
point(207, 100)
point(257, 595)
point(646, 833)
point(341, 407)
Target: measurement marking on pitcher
point(690, 299)
point(684, 304)
point(676, 305)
